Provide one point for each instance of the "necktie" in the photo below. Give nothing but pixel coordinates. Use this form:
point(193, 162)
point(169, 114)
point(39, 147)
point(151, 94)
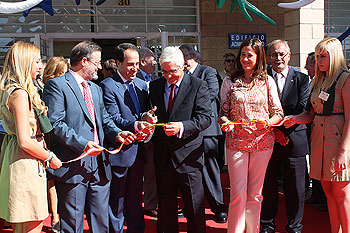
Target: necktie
point(280, 82)
point(148, 78)
point(90, 107)
point(171, 97)
point(133, 96)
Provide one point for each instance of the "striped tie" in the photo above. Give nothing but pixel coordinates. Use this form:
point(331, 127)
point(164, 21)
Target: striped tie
point(90, 107)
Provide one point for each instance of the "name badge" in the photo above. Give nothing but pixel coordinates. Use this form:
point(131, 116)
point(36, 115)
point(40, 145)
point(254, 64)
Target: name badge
point(323, 96)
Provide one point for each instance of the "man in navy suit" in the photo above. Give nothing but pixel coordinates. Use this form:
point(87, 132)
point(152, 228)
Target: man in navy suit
point(146, 72)
point(211, 171)
point(182, 102)
point(293, 87)
point(80, 123)
point(126, 98)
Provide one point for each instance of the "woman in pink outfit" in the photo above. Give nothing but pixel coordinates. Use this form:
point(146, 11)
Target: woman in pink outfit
point(248, 95)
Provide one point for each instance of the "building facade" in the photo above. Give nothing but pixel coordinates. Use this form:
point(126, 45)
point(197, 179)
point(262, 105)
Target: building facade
point(158, 23)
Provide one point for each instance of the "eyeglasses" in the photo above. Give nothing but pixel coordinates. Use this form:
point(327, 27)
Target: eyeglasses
point(172, 72)
point(229, 60)
point(97, 64)
point(276, 55)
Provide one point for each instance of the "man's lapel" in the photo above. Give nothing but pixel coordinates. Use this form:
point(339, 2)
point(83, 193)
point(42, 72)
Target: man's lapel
point(185, 87)
point(120, 88)
point(289, 84)
point(72, 83)
point(160, 101)
point(95, 100)
point(123, 92)
point(196, 72)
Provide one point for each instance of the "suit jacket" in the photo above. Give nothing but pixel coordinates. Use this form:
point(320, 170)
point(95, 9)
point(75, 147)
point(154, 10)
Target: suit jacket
point(140, 76)
point(192, 108)
point(209, 75)
point(119, 104)
point(73, 128)
point(293, 99)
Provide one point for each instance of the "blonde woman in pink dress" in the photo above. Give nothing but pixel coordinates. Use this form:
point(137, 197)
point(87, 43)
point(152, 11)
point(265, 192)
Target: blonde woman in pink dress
point(248, 95)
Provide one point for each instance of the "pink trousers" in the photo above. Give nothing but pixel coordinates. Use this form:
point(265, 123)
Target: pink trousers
point(247, 173)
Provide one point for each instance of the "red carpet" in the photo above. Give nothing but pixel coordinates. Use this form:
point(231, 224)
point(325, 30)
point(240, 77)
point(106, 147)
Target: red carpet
point(314, 221)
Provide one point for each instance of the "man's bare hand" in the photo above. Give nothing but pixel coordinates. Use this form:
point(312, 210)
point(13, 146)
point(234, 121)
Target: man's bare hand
point(126, 137)
point(149, 116)
point(93, 148)
point(142, 137)
point(145, 127)
point(172, 128)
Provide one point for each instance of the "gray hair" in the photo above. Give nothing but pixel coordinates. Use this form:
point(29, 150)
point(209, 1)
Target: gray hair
point(272, 43)
point(172, 54)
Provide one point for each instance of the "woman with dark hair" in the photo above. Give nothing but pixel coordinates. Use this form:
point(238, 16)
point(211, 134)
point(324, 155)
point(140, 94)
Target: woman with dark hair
point(250, 98)
point(329, 111)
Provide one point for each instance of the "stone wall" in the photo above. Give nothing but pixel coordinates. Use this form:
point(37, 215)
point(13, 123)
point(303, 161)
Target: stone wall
point(302, 27)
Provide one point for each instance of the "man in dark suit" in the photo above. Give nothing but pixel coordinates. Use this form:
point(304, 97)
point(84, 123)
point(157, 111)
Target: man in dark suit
point(211, 170)
point(80, 123)
point(182, 102)
point(126, 98)
point(146, 72)
point(293, 87)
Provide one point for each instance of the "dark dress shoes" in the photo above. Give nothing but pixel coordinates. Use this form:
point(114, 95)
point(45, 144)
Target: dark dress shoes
point(151, 213)
point(221, 217)
point(268, 230)
point(181, 213)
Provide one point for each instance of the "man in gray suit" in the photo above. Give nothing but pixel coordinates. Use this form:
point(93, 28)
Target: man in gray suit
point(80, 123)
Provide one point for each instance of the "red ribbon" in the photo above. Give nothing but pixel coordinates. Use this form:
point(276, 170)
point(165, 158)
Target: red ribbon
point(116, 151)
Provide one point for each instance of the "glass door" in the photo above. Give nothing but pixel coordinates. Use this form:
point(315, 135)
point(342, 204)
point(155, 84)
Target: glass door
point(155, 42)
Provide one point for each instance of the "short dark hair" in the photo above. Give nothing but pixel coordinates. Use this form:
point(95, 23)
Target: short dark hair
point(312, 56)
point(229, 55)
point(190, 49)
point(83, 49)
point(198, 57)
point(120, 50)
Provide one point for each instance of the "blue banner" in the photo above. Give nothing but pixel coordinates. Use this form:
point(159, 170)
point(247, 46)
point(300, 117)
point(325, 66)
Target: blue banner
point(236, 39)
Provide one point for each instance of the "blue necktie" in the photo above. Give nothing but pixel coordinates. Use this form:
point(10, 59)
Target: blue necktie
point(133, 96)
point(148, 78)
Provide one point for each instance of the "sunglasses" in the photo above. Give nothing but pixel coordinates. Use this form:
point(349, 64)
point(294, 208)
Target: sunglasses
point(229, 60)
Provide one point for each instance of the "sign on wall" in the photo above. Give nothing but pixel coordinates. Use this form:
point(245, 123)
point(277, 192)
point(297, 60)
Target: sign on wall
point(236, 39)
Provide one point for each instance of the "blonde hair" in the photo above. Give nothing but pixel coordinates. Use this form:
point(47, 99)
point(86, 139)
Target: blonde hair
point(54, 68)
point(18, 65)
point(324, 79)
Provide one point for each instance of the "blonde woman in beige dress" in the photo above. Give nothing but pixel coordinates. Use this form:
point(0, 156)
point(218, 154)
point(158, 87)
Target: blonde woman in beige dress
point(23, 200)
point(329, 109)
